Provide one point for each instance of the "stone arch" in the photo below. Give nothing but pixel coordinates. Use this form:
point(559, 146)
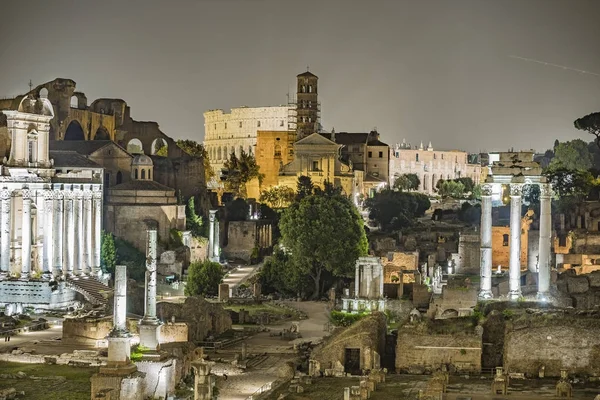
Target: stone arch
point(434, 180)
point(232, 151)
point(74, 131)
point(449, 313)
point(134, 146)
point(219, 153)
point(43, 93)
point(157, 145)
point(74, 102)
point(101, 134)
point(143, 174)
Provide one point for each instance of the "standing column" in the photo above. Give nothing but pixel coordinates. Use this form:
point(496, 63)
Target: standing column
point(211, 233)
point(485, 288)
point(380, 268)
point(69, 233)
point(26, 235)
point(514, 266)
point(120, 305)
point(58, 235)
point(545, 237)
point(368, 273)
point(216, 247)
point(149, 324)
point(78, 229)
point(97, 204)
point(357, 280)
point(88, 259)
point(5, 203)
point(48, 245)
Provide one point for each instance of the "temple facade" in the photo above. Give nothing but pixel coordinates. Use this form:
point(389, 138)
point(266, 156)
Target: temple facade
point(50, 212)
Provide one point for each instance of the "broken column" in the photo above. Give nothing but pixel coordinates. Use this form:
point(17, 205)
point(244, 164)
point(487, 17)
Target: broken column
point(223, 293)
point(203, 381)
point(514, 264)
point(149, 325)
point(545, 237)
point(485, 289)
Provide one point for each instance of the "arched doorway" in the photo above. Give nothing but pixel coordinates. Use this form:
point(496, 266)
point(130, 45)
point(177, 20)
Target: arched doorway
point(101, 134)
point(135, 146)
point(119, 177)
point(74, 131)
point(159, 147)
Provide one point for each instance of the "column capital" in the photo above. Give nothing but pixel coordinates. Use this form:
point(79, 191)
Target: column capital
point(5, 194)
point(49, 194)
point(546, 190)
point(26, 193)
point(87, 194)
point(97, 195)
point(58, 194)
point(486, 189)
point(516, 189)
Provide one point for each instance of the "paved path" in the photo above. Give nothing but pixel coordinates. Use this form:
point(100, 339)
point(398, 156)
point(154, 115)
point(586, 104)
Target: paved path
point(28, 338)
point(239, 274)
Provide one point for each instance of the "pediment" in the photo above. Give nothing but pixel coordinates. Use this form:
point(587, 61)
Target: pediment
point(316, 139)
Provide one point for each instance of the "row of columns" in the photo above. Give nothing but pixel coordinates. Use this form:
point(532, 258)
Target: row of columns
point(72, 221)
point(516, 191)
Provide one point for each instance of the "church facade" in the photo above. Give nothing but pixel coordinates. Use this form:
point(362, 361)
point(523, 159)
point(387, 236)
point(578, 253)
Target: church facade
point(50, 213)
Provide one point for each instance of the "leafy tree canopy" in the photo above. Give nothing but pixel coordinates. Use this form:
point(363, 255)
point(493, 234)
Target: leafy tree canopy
point(396, 210)
point(239, 171)
point(278, 196)
point(237, 210)
point(204, 278)
point(407, 182)
point(323, 233)
point(194, 222)
point(108, 258)
point(196, 149)
point(591, 124)
point(454, 189)
point(572, 155)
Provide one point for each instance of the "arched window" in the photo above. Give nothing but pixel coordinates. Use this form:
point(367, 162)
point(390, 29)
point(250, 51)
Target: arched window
point(218, 153)
point(309, 88)
point(136, 173)
point(417, 157)
point(74, 102)
point(150, 174)
point(43, 93)
point(119, 177)
point(143, 174)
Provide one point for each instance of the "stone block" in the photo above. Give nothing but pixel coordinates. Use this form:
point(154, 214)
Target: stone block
point(578, 284)
point(594, 279)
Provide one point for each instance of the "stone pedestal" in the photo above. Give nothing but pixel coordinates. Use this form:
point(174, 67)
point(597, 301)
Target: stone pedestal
point(149, 336)
point(203, 381)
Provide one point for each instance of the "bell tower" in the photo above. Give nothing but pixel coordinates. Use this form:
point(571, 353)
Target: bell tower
point(307, 105)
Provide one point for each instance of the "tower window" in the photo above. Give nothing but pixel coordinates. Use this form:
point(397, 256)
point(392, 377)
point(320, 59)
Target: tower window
point(303, 89)
point(240, 124)
point(31, 151)
point(309, 88)
point(143, 174)
point(309, 104)
point(370, 154)
point(505, 240)
point(258, 124)
point(225, 125)
point(381, 154)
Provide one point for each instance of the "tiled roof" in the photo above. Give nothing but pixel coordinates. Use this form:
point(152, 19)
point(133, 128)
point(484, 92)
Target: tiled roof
point(142, 185)
point(348, 138)
point(71, 159)
point(85, 147)
point(307, 74)
point(377, 143)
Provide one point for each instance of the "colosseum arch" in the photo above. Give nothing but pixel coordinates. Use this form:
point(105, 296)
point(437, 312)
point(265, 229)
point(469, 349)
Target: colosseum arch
point(74, 131)
point(101, 134)
point(157, 145)
point(134, 146)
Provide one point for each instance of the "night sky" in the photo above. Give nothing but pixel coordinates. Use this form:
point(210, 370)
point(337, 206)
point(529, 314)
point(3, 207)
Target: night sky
point(444, 71)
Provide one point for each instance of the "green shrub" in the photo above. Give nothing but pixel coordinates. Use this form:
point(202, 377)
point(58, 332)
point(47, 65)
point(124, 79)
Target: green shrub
point(340, 318)
point(508, 313)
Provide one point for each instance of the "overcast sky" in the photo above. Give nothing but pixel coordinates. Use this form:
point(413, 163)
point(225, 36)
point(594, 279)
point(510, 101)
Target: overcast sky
point(442, 70)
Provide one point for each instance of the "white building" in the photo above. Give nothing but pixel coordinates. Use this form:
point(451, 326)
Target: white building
point(431, 165)
point(236, 131)
point(50, 214)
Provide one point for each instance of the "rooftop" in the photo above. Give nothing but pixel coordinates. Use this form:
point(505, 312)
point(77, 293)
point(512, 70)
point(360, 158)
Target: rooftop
point(64, 159)
point(142, 185)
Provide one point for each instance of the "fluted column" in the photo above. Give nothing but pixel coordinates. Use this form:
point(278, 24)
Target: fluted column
point(48, 244)
point(58, 235)
point(88, 227)
point(211, 233)
point(79, 236)
point(97, 204)
point(26, 234)
point(545, 237)
point(120, 302)
point(150, 310)
point(69, 232)
point(514, 266)
point(357, 280)
point(485, 288)
point(5, 206)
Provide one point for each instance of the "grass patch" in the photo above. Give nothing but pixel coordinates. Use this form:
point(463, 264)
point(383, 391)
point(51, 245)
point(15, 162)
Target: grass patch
point(76, 387)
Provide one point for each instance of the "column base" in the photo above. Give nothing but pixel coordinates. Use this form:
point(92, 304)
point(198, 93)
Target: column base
point(514, 295)
point(47, 276)
point(544, 297)
point(485, 295)
point(149, 336)
point(24, 276)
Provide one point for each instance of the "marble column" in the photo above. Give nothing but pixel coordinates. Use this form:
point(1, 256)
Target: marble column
point(79, 234)
point(26, 235)
point(58, 235)
point(357, 280)
point(97, 204)
point(69, 233)
point(217, 248)
point(368, 274)
point(149, 325)
point(48, 245)
point(88, 226)
point(120, 306)
point(380, 269)
point(545, 238)
point(485, 288)
point(211, 233)
point(5, 206)
point(514, 265)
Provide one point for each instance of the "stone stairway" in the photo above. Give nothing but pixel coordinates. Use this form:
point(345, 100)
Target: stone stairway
point(91, 288)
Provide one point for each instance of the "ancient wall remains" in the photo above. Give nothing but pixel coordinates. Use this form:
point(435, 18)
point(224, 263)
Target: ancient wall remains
point(560, 341)
point(583, 290)
point(469, 254)
point(501, 246)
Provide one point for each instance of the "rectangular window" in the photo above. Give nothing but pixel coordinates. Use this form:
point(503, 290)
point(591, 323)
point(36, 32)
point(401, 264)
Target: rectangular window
point(258, 124)
point(240, 124)
point(370, 154)
point(505, 240)
point(417, 157)
point(281, 123)
point(225, 125)
point(381, 154)
point(315, 165)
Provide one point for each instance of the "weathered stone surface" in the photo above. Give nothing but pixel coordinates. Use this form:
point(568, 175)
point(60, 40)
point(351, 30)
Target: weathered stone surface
point(578, 284)
point(203, 318)
point(594, 279)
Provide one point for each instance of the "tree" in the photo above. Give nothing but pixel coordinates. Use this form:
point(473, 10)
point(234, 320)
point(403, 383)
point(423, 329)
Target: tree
point(305, 187)
point(278, 196)
point(279, 275)
point(108, 257)
point(193, 222)
point(407, 182)
point(572, 155)
point(451, 189)
point(396, 210)
point(470, 214)
point(591, 124)
point(467, 182)
point(566, 182)
point(204, 278)
point(323, 234)
point(162, 151)
point(135, 260)
point(239, 171)
point(196, 149)
point(237, 210)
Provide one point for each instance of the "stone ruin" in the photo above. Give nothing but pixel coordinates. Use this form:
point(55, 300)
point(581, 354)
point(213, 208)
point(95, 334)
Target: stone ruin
point(368, 287)
point(501, 382)
point(563, 387)
point(204, 380)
